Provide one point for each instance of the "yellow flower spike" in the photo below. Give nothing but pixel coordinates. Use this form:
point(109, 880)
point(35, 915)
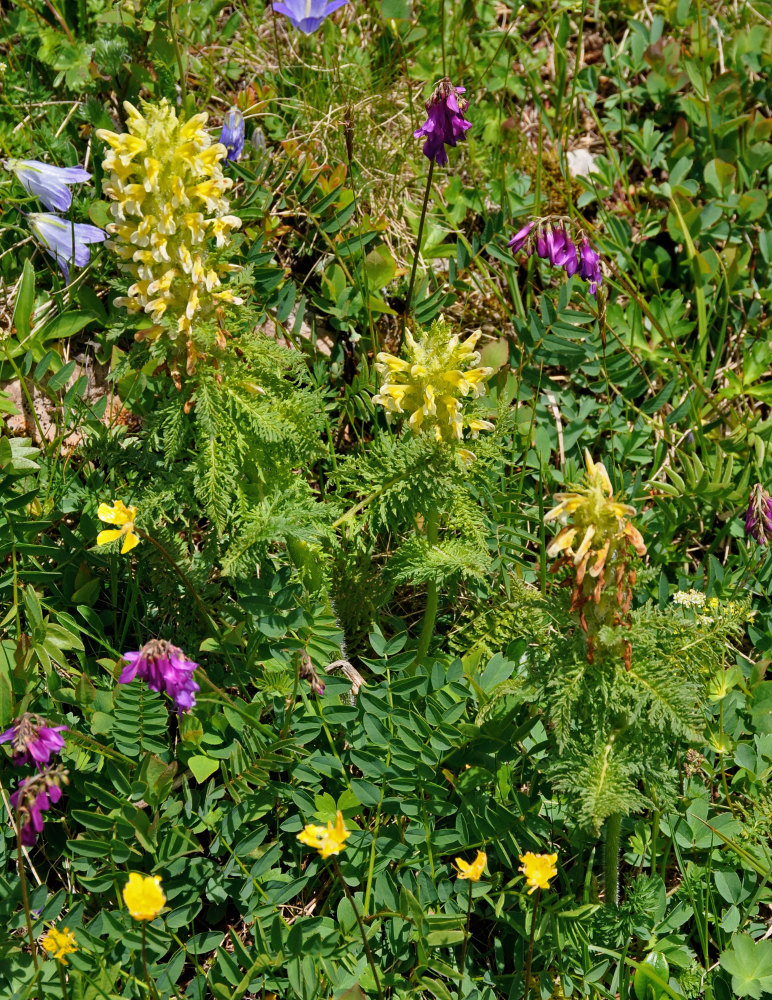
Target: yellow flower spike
point(59, 942)
point(538, 870)
point(121, 515)
point(143, 896)
point(327, 840)
point(163, 174)
point(433, 380)
point(472, 870)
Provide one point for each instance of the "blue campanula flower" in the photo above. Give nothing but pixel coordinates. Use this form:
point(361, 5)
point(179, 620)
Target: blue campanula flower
point(232, 135)
point(46, 182)
point(307, 14)
point(67, 242)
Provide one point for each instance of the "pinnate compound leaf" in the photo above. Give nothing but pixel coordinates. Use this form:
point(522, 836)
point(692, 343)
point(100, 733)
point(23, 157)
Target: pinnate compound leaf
point(750, 964)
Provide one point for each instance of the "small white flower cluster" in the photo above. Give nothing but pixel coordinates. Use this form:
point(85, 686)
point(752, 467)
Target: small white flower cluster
point(689, 599)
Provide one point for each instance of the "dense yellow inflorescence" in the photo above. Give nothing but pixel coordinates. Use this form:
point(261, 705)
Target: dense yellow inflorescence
point(169, 202)
point(439, 372)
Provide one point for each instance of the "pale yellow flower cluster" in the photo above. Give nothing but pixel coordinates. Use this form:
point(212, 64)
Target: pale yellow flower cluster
point(439, 372)
point(595, 523)
point(168, 193)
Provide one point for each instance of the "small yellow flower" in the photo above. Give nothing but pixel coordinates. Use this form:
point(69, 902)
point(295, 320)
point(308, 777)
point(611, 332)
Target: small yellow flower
point(538, 870)
point(326, 839)
point(472, 869)
point(60, 942)
point(143, 896)
point(123, 516)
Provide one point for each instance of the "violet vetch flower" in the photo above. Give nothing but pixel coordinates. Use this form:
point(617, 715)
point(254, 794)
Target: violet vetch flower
point(521, 236)
point(165, 668)
point(589, 266)
point(232, 135)
point(32, 739)
point(307, 15)
point(446, 123)
point(46, 182)
point(67, 242)
point(33, 797)
point(555, 244)
point(758, 520)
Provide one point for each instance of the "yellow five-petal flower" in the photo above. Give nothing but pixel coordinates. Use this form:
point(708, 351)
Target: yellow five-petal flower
point(143, 895)
point(472, 869)
point(326, 839)
point(538, 870)
point(60, 943)
point(121, 515)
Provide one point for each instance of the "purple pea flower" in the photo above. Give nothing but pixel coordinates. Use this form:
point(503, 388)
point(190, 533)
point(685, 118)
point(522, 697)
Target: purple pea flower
point(518, 241)
point(32, 739)
point(446, 123)
point(589, 266)
point(758, 520)
point(165, 668)
point(33, 797)
point(307, 15)
point(67, 242)
point(232, 135)
point(46, 182)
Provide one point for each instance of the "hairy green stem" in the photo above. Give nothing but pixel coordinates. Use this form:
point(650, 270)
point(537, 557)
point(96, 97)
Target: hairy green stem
point(612, 833)
point(365, 942)
point(531, 936)
point(465, 945)
point(409, 299)
point(150, 982)
point(62, 979)
point(432, 596)
point(177, 51)
point(25, 894)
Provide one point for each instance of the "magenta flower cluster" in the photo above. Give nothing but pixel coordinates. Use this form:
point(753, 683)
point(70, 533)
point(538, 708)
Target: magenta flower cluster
point(758, 519)
point(32, 740)
point(165, 668)
point(32, 798)
point(446, 124)
point(554, 244)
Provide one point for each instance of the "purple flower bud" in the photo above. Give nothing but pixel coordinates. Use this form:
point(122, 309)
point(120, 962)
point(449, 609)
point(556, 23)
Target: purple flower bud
point(758, 520)
point(307, 15)
point(446, 124)
point(232, 135)
point(46, 182)
point(518, 240)
point(165, 668)
point(541, 246)
point(67, 242)
point(32, 739)
point(33, 797)
point(589, 266)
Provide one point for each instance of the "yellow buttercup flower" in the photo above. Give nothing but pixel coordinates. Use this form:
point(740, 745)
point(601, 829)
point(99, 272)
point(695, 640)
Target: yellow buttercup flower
point(439, 372)
point(538, 870)
point(143, 896)
point(123, 516)
point(472, 869)
point(326, 839)
point(168, 192)
point(59, 942)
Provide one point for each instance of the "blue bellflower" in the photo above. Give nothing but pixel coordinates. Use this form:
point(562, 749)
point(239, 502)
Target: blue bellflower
point(46, 182)
point(307, 14)
point(67, 242)
point(232, 135)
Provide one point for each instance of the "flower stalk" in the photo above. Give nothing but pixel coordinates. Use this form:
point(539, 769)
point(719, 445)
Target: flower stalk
point(612, 832)
point(365, 942)
point(417, 251)
point(432, 596)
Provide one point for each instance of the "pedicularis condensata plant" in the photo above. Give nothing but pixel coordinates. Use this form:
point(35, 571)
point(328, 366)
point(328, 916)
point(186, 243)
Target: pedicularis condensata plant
point(169, 201)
